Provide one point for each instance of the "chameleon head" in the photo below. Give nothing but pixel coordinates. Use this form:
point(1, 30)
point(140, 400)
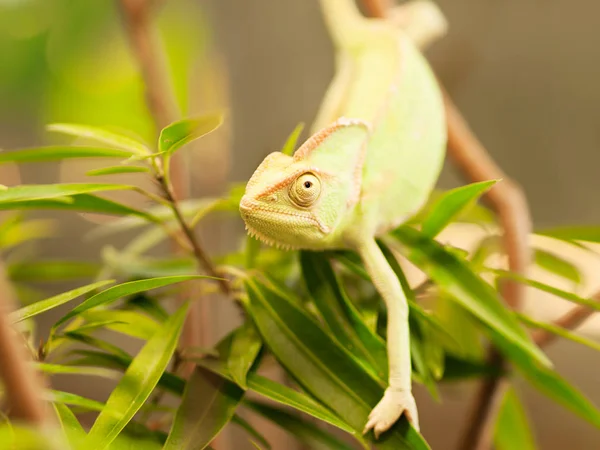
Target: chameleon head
point(283, 203)
point(299, 201)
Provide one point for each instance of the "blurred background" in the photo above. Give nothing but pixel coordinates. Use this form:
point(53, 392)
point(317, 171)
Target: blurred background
point(524, 73)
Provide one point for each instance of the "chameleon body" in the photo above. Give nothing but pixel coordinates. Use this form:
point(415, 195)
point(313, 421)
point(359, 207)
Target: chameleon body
point(375, 154)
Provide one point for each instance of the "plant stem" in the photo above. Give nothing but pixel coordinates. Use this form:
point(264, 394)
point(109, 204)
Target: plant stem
point(22, 384)
point(509, 202)
point(194, 241)
point(148, 51)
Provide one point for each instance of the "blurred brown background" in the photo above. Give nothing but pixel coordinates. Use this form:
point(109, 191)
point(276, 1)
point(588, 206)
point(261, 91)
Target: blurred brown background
point(524, 73)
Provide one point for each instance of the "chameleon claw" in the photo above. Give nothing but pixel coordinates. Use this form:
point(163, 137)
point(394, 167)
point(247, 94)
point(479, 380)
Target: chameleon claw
point(389, 409)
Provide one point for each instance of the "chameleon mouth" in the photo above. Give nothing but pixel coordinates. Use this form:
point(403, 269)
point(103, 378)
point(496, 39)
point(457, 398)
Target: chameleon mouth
point(265, 240)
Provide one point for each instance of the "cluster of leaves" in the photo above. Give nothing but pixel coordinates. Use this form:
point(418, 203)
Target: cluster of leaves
point(315, 314)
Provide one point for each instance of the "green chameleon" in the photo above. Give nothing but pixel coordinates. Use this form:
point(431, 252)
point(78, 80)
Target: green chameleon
point(377, 148)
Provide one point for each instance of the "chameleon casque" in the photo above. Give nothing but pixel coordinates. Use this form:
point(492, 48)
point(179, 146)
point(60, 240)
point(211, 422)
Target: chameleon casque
point(376, 151)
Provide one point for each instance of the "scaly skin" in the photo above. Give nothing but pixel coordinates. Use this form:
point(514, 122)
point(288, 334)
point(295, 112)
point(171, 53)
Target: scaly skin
point(376, 151)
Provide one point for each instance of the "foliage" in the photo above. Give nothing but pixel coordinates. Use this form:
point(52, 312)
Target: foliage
point(316, 315)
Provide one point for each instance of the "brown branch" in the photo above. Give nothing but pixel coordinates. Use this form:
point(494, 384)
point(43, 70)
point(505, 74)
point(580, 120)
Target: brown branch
point(147, 49)
point(194, 241)
point(569, 321)
point(23, 387)
point(492, 390)
point(510, 204)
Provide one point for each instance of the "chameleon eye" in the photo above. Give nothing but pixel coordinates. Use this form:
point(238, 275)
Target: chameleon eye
point(305, 190)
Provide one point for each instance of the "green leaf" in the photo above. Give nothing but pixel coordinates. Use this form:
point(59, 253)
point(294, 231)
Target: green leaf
point(97, 343)
point(242, 423)
point(159, 212)
point(100, 135)
point(450, 204)
point(308, 433)
point(51, 270)
point(42, 191)
point(198, 422)
point(45, 305)
point(182, 132)
point(245, 346)
point(458, 368)
point(550, 383)
point(559, 331)
point(290, 143)
point(116, 170)
point(557, 265)
point(19, 436)
point(80, 203)
point(122, 290)
point(18, 232)
point(67, 398)
point(281, 394)
point(72, 429)
point(130, 323)
point(322, 366)
point(512, 426)
point(455, 278)
point(93, 371)
point(589, 302)
point(138, 382)
point(57, 153)
point(584, 233)
point(341, 316)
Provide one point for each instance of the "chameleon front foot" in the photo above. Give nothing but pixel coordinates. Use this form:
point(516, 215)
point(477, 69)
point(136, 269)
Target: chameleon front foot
point(389, 409)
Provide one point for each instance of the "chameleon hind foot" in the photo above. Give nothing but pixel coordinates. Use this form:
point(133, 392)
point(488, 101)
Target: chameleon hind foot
point(389, 409)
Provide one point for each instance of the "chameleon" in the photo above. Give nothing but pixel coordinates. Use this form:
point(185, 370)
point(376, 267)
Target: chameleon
point(375, 152)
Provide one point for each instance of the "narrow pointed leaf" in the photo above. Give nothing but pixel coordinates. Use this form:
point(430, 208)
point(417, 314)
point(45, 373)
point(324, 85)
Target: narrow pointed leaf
point(179, 133)
point(42, 191)
point(559, 331)
point(550, 383)
point(72, 429)
point(282, 394)
point(450, 204)
point(242, 423)
point(557, 265)
point(159, 213)
point(72, 399)
point(116, 292)
point(198, 422)
point(322, 366)
point(308, 433)
point(138, 382)
point(57, 153)
point(82, 370)
point(245, 346)
point(455, 278)
point(51, 270)
point(101, 135)
point(290, 143)
point(130, 323)
point(589, 302)
point(513, 430)
point(113, 170)
point(80, 203)
point(45, 305)
point(575, 233)
point(340, 315)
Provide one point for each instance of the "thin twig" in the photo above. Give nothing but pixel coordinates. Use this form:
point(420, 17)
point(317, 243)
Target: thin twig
point(22, 385)
point(492, 391)
point(147, 49)
point(569, 321)
point(510, 204)
point(194, 241)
